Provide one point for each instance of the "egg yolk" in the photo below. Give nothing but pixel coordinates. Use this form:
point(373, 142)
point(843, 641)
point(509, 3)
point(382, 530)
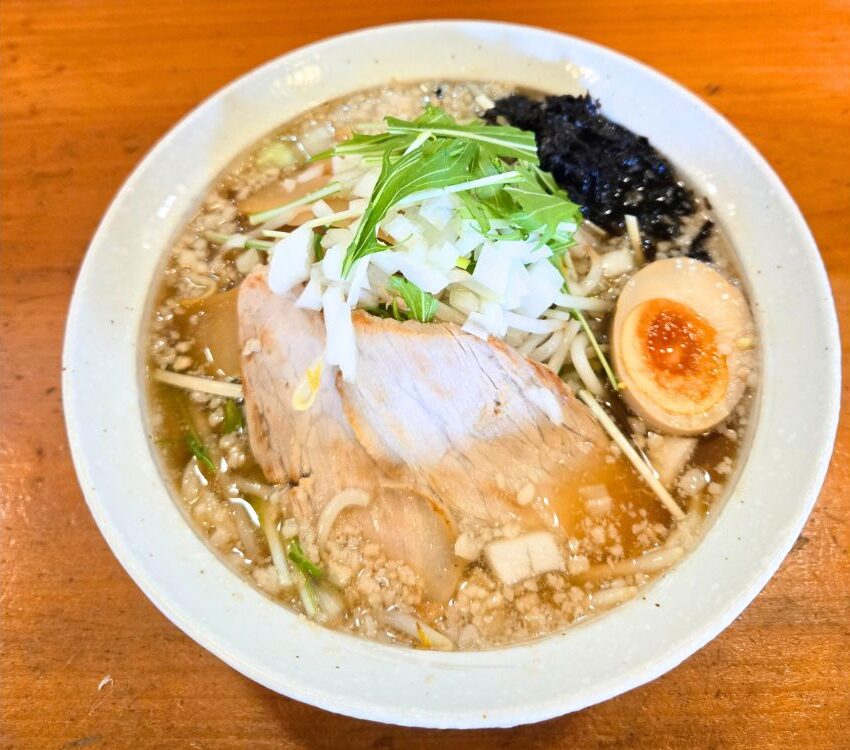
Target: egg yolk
point(680, 365)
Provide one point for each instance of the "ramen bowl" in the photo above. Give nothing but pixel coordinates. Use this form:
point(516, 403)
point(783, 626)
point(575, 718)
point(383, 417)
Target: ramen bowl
point(783, 465)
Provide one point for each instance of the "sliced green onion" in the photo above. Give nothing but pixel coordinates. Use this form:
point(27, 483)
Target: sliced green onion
point(199, 450)
point(306, 566)
point(232, 416)
point(276, 550)
point(250, 243)
point(307, 593)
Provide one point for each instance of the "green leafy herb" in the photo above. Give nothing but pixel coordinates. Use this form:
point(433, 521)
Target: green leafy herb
point(300, 560)
point(541, 210)
point(493, 169)
point(421, 305)
point(367, 146)
point(232, 416)
point(504, 141)
point(433, 165)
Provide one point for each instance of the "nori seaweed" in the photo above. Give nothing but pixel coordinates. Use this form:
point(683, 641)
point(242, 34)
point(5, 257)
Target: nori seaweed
point(604, 167)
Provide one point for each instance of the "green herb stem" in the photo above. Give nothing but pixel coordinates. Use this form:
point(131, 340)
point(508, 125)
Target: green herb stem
point(322, 192)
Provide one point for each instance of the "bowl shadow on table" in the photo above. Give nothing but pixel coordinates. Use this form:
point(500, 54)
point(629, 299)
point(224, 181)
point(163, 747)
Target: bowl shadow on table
point(623, 722)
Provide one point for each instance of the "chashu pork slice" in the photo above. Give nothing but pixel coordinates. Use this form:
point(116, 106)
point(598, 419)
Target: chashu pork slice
point(473, 426)
point(480, 424)
point(316, 452)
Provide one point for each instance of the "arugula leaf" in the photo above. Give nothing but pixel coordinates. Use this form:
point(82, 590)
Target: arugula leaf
point(433, 165)
point(421, 305)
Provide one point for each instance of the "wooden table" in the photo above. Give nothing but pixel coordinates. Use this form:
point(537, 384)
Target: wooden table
point(87, 661)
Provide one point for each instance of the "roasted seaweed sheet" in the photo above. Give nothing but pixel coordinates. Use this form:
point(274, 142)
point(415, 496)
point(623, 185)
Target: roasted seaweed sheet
point(604, 167)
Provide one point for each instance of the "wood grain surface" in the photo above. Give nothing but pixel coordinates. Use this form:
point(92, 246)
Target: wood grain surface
point(87, 87)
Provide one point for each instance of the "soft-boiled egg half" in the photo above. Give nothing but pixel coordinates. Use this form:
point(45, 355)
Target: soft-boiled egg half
point(683, 345)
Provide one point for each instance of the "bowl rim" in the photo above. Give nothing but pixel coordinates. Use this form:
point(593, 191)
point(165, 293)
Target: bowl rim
point(87, 465)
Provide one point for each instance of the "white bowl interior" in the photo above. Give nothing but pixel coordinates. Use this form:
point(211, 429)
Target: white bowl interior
point(606, 656)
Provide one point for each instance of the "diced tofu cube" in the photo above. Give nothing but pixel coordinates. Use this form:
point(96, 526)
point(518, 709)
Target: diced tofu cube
point(526, 556)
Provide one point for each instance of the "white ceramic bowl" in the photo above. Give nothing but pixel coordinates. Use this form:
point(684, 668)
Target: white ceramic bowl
point(636, 642)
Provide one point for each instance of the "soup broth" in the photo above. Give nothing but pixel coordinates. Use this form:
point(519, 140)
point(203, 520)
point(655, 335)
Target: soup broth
point(612, 534)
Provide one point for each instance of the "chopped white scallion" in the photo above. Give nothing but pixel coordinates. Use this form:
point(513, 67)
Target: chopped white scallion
point(422, 273)
point(311, 297)
point(331, 264)
point(291, 259)
point(544, 283)
point(364, 187)
point(341, 346)
point(307, 594)
point(359, 279)
point(246, 261)
point(321, 210)
point(476, 327)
